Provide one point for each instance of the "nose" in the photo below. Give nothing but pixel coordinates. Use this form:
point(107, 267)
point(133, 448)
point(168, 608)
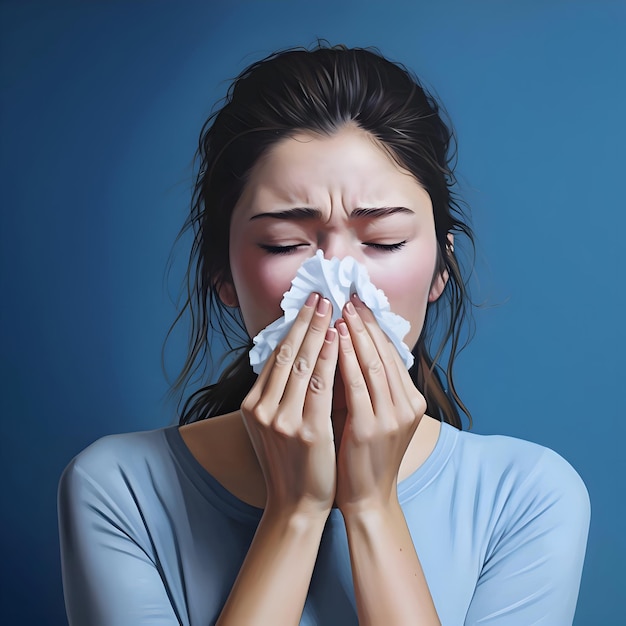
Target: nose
point(339, 245)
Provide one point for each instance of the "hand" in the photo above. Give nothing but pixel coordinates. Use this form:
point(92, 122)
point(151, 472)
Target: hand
point(384, 410)
point(287, 415)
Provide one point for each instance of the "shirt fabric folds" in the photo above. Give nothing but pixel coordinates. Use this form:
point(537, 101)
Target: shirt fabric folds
point(148, 536)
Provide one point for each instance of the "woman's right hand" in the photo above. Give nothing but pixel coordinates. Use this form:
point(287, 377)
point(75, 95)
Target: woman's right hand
point(287, 414)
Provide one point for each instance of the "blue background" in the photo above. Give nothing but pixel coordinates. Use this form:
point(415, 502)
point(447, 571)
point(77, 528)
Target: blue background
point(101, 106)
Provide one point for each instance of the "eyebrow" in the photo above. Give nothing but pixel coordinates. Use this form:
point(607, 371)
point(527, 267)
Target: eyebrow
point(309, 213)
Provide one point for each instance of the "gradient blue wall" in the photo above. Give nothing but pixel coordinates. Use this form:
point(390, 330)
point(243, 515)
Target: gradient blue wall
point(101, 105)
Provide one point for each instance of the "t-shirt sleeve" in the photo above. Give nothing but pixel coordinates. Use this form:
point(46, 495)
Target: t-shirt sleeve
point(109, 574)
point(532, 569)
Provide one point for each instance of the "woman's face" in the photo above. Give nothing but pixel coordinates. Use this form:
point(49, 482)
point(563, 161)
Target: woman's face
point(342, 194)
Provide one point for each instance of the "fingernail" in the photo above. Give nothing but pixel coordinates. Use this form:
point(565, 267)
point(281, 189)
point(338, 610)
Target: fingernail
point(322, 306)
point(350, 308)
point(312, 299)
point(342, 328)
point(331, 333)
point(357, 301)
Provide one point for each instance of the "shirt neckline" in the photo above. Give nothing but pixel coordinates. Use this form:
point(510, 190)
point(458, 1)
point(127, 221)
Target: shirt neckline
point(226, 501)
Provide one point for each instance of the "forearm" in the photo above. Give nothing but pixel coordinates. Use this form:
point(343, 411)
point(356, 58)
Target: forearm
point(389, 584)
point(273, 582)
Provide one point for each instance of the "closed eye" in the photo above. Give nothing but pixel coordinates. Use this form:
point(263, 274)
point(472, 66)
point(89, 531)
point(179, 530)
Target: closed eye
point(281, 249)
point(386, 247)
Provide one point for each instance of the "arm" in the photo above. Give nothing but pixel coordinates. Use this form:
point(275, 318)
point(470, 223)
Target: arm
point(111, 572)
point(533, 566)
point(389, 583)
point(274, 579)
point(384, 410)
point(287, 415)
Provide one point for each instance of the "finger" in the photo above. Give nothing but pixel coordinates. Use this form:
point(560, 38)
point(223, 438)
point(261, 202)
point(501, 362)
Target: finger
point(370, 360)
point(285, 353)
point(407, 399)
point(261, 379)
point(408, 402)
point(305, 361)
point(388, 353)
point(357, 394)
point(413, 396)
point(319, 396)
point(259, 384)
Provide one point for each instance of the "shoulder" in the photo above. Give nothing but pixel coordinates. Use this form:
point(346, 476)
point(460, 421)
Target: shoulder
point(117, 464)
point(530, 514)
point(121, 450)
point(521, 476)
point(500, 454)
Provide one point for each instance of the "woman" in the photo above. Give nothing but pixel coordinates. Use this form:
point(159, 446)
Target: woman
point(336, 487)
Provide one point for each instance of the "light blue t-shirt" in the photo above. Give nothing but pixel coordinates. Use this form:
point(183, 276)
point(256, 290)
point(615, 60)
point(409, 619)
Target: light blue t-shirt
point(148, 536)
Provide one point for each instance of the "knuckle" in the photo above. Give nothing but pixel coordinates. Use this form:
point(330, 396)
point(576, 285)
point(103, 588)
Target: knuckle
point(392, 428)
point(251, 399)
point(418, 405)
point(375, 366)
point(260, 414)
point(395, 431)
point(362, 434)
point(301, 366)
point(406, 417)
point(316, 329)
point(247, 405)
point(317, 384)
point(359, 329)
point(347, 347)
point(284, 354)
point(357, 384)
point(249, 402)
point(308, 435)
point(283, 427)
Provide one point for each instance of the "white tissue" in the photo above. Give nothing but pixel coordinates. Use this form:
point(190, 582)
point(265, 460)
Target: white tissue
point(336, 280)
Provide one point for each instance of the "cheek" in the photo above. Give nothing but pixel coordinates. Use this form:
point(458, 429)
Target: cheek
point(407, 290)
point(260, 284)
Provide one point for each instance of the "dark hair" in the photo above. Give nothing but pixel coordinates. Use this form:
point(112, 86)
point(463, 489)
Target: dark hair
point(317, 90)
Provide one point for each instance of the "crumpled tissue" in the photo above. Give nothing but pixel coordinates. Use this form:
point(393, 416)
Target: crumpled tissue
point(335, 280)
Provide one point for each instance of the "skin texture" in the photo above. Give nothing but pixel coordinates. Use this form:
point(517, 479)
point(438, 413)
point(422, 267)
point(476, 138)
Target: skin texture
point(336, 175)
point(334, 405)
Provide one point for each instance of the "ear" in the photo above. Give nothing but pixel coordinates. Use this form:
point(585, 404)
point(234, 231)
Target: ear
point(227, 293)
point(441, 279)
point(439, 284)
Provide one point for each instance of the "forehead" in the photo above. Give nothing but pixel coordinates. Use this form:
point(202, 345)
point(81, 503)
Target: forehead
point(311, 168)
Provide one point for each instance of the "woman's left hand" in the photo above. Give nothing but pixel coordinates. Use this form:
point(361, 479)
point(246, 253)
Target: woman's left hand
point(384, 409)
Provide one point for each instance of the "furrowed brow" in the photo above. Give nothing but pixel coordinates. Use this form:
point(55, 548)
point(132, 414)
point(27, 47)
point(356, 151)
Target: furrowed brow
point(297, 213)
point(309, 213)
point(380, 211)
